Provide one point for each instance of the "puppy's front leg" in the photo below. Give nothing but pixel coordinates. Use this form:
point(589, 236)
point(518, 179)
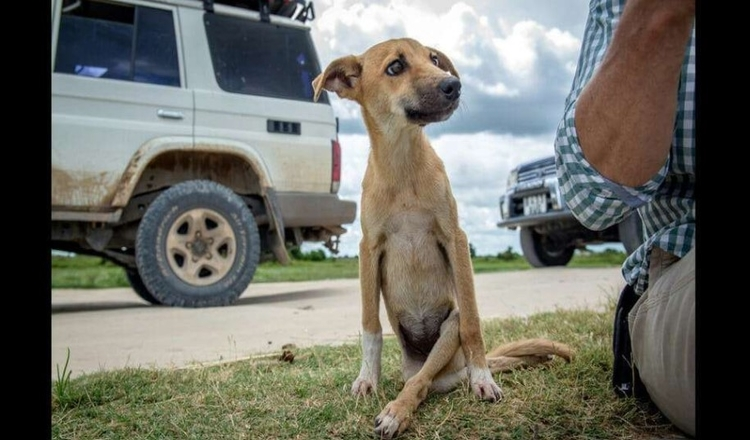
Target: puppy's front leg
point(372, 332)
point(397, 414)
point(472, 342)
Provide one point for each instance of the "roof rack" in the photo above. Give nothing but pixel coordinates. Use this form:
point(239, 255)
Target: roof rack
point(300, 10)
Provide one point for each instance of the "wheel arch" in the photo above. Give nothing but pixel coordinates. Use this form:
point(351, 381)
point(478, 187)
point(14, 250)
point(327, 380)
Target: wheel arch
point(162, 162)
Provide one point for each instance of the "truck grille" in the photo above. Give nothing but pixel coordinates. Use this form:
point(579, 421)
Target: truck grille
point(537, 173)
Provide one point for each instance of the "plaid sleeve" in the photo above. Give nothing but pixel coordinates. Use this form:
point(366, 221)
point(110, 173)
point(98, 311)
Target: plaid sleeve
point(595, 201)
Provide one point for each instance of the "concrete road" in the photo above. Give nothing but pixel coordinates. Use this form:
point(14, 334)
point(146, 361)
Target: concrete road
point(113, 328)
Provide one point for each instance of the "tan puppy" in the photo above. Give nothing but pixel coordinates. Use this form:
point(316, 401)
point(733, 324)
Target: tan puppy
point(413, 250)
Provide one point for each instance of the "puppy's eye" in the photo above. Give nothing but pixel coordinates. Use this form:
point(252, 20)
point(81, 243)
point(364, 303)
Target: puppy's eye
point(434, 59)
point(395, 68)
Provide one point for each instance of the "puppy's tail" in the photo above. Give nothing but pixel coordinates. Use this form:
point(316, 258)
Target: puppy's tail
point(526, 353)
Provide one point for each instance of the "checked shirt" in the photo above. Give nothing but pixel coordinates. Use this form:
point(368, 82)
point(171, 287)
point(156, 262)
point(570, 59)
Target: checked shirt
point(666, 203)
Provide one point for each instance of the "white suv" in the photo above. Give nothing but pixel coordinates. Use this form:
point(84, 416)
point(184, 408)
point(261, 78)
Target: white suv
point(186, 145)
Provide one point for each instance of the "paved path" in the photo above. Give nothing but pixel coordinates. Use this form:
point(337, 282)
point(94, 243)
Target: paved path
point(113, 328)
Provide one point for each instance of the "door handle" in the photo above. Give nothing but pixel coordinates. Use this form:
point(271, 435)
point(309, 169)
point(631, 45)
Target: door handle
point(169, 114)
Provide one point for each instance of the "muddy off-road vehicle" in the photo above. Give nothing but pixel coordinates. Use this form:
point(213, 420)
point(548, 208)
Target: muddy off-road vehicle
point(185, 142)
point(549, 233)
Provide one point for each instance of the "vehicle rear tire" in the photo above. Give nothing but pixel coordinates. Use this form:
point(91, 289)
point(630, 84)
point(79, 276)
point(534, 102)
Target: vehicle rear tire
point(197, 245)
point(140, 289)
point(541, 250)
point(631, 233)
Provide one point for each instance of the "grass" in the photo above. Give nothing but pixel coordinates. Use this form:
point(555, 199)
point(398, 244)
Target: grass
point(87, 272)
point(309, 397)
point(265, 398)
point(63, 381)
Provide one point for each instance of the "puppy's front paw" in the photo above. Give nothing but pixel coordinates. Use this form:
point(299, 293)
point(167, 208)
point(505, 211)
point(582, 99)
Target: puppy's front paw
point(483, 385)
point(392, 421)
point(363, 386)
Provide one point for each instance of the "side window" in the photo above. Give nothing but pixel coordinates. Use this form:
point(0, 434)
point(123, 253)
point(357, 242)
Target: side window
point(108, 40)
point(263, 59)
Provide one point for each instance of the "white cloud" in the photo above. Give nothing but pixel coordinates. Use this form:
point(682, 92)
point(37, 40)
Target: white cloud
point(517, 50)
point(498, 89)
point(345, 109)
point(518, 67)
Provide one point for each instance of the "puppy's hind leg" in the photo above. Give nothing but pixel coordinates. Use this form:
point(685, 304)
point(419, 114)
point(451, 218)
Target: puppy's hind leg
point(453, 375)
point(396, 415)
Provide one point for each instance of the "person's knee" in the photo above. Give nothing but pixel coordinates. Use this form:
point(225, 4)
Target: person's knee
point(662, 328)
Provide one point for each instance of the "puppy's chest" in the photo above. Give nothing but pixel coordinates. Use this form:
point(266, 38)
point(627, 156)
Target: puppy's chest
point(407, 232)
point(414, 262)
point(409, 223)
point(403, 215)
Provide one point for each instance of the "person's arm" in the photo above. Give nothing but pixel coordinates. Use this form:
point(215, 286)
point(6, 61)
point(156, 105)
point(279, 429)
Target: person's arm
point(625, 115)
point(602, 195)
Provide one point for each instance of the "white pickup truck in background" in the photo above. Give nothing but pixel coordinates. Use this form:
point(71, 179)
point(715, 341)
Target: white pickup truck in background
point(549, 233)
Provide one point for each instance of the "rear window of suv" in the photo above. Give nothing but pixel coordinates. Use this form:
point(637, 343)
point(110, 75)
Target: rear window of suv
point(265, 59)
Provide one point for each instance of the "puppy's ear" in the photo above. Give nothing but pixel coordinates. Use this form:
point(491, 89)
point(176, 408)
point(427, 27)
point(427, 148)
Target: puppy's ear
point(444, 62)
point(341, 76)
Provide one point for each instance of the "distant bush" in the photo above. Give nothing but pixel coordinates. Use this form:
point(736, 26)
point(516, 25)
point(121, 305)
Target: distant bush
point(508, 255)
point(80, 261)
point(592, 258)
point(314, 255)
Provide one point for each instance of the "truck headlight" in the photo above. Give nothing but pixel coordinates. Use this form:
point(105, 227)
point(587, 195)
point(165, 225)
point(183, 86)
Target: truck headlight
point(512, 179)
point(504, 208)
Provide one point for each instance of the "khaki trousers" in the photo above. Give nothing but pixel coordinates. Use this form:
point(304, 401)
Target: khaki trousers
point(662, 334)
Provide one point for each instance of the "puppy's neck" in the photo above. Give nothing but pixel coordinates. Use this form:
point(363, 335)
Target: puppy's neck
point(399, 150)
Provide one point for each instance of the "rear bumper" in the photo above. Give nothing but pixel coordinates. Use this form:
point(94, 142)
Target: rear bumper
point(309, 210)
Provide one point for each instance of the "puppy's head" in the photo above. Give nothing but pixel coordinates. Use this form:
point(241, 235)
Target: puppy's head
point(395, 80)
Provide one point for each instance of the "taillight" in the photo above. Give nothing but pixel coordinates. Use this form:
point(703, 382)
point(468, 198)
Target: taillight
point(335, 166)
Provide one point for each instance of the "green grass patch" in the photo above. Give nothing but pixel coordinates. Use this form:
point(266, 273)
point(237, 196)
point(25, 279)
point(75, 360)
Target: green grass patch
point(87, 272)
point(309, 398)
point(304, 270)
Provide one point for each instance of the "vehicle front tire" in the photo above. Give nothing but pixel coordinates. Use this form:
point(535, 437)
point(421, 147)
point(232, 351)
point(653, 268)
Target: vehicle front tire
point(541, 250)
point(197, 245)
point(140, 289)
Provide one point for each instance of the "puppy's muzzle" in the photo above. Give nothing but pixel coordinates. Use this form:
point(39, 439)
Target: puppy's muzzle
point(435, 104)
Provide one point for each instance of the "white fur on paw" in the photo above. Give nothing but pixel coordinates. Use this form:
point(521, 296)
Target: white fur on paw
point(369, 372)
point(387, 427)
point(362, 387)
point(483, 384)
point(391, 421)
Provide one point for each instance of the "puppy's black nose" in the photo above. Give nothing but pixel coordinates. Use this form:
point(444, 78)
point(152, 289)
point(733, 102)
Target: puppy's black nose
point(451, 86)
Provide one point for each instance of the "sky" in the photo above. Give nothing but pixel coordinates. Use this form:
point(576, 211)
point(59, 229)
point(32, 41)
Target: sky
point(516, 60)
